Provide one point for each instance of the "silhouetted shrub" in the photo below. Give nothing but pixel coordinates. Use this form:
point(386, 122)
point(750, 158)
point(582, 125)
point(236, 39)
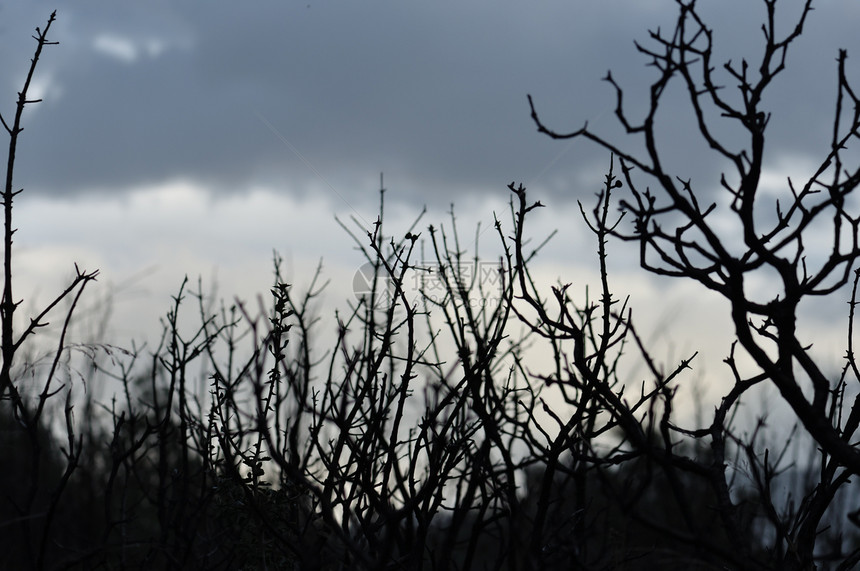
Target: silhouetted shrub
point(424, 436)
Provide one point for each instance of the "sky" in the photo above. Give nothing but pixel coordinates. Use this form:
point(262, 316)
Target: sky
point(177, 138)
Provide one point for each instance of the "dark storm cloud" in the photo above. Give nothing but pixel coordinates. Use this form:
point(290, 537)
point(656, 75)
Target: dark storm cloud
point(433, 94)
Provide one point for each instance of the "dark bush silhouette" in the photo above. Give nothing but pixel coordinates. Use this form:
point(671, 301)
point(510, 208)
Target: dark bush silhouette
point(425, 436)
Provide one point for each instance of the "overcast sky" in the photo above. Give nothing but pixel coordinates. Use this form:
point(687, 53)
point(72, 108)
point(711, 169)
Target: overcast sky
point(183, 137)
point(432, 93)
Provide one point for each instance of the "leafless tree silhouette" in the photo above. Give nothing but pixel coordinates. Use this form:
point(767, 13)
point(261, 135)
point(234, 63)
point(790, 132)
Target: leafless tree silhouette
point(426, 436)
point(677, 236)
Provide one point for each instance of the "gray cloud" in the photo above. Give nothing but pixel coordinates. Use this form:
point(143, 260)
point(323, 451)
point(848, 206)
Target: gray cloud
point(433, 94)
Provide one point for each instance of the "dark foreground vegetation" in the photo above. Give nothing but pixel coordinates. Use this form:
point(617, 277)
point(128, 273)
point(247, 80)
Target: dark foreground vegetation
point(423, 436)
